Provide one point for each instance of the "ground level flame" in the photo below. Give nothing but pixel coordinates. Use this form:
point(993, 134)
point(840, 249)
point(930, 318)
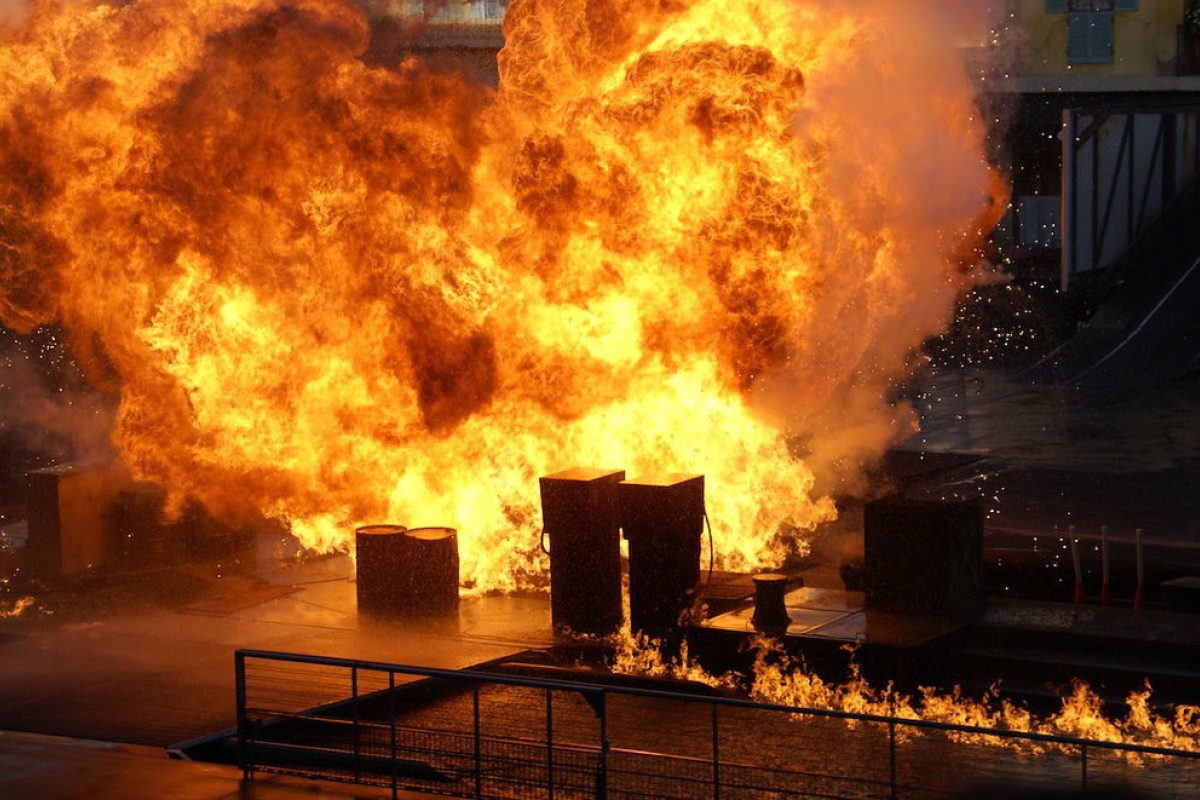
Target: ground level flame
point(700, 236)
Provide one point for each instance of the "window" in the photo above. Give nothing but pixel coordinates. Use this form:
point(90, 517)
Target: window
point(1090, 37)
point(1090, 27)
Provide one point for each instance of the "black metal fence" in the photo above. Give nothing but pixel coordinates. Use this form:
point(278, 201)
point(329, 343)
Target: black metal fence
point(471, 734)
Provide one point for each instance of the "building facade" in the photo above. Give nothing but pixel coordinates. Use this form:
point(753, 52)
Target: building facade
point(1098, 107)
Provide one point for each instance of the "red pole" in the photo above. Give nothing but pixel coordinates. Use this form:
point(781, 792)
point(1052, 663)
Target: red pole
point(1075, 563)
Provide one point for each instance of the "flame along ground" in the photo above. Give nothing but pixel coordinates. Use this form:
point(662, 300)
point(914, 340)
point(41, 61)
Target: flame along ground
point(699, 236)
point(15, 608)
point(779, 679)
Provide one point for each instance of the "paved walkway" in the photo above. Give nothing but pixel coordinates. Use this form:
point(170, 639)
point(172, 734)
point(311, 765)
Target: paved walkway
point(152, 665)
point(52, 767)
point(126, 672)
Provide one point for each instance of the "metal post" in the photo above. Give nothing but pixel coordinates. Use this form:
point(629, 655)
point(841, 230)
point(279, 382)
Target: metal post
point(1069, 200)
point(1170, 172)
point(1083, 777)
point(716, 769)
point(354, 725)
point(478, 754)
point(243, 727)
point(1111, 201)
point(602, 772)
point(1154, 153)
point(1130, 191)
point(892, 756)
point(392, 726)
point(549, 745)
point(1096, 124)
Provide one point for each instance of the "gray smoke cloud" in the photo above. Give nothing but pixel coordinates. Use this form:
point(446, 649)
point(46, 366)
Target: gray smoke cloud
point(46, 406)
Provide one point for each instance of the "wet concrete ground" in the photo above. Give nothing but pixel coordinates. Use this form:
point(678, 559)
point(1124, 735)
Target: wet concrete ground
point(1112, 436)
point(153, 666)
point(1053, 457)
point(56, 768)
point(143, 668)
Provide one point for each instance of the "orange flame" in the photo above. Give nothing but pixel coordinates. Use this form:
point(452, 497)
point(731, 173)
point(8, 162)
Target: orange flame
point(695, 235)
point(16, 608)
point(779, 679)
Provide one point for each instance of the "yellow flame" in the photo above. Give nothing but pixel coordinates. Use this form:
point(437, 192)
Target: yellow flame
point(16, 608)
point(701, 236)
point(781, 680)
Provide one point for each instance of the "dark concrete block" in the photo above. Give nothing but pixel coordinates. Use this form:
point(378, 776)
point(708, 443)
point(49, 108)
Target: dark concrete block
point(70, 511)
point(663, 519)
point(924, 556)
point(581, 519)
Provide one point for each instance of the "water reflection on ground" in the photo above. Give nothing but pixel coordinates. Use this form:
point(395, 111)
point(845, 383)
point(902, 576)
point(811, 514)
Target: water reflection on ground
point(1070, 427)
point(1060, 455)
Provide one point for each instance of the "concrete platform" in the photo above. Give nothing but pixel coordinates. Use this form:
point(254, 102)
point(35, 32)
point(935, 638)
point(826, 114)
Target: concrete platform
point(147, 670)
point(148, 661)
point(56, 768)
point(822, 613)
point(96, 683)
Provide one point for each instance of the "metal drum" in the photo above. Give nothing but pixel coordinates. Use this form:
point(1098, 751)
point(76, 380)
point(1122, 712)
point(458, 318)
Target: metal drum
point(405, 572)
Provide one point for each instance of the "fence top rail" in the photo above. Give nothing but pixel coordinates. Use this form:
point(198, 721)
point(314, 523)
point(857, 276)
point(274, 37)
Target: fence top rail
point(474, 676)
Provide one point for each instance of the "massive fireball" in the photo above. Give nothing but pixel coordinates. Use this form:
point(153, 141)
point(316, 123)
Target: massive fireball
point(682, 235)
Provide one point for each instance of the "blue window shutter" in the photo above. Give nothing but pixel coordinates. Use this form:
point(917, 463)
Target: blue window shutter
point(1103, 36)
point(1090, 37)
point(1056, 6)
point(1126, 5)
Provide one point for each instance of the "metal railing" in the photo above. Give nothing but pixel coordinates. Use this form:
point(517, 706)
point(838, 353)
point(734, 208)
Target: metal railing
point(1122, 169)
point(473, 734)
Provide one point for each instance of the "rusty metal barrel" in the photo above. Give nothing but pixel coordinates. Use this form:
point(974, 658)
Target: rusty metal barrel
point(406, 572)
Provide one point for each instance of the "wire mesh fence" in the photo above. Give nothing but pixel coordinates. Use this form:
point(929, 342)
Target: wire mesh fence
point(471, 734)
